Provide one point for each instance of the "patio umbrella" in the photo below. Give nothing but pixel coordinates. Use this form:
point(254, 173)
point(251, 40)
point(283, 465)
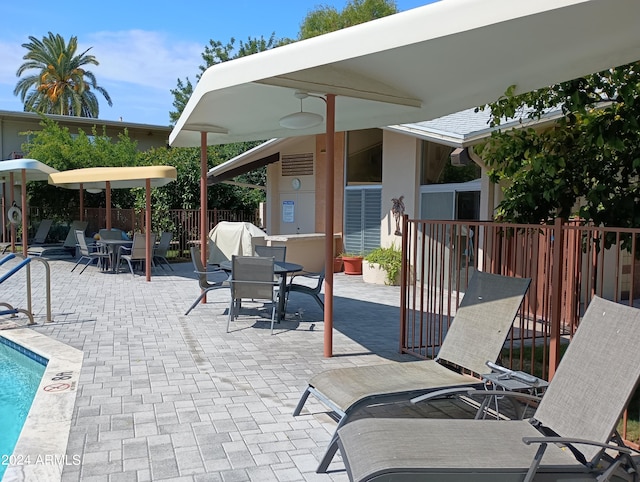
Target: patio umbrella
point(410, 67)
point(108, 178)
point(26, 170)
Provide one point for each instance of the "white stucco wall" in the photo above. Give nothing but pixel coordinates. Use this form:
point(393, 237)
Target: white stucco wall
point(399, 178)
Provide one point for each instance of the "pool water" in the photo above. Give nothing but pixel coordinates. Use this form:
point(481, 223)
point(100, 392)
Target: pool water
point(20, 376)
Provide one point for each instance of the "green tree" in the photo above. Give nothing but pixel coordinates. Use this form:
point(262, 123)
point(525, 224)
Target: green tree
point(58, 148)
point(590, 157)
point(327, 19)
point(61, 84)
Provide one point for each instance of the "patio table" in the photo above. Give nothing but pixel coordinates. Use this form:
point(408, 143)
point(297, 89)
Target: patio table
point(113, 248)
point(282, 269)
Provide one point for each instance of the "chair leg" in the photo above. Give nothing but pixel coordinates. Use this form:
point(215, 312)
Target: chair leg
point(230, 314)
point(273, 314)
point(301, 402)
point(195, 302)
point(85, 266)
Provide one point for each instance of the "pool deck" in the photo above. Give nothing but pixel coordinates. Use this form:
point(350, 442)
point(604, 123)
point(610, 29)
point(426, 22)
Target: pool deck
point(163, 396)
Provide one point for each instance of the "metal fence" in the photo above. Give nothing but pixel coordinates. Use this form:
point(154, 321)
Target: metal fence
point(568, 263)
point(183, 223)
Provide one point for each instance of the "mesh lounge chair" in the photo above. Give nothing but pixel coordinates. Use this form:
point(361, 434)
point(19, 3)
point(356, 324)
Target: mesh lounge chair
point(565, 440)
point(161, 250)
point(89, 253)
point(42, 232)
point(476, 335)
point(252, 277)
point(203, 281)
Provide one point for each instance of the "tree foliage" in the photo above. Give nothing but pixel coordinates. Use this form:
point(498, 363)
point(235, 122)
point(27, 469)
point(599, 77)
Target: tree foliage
point(327, 19)
point(61, 84)
point(57, 147)
point(587, 164)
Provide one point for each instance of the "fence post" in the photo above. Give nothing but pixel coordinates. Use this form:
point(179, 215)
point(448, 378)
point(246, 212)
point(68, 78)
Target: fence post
point(556, 296)
point(404, 273)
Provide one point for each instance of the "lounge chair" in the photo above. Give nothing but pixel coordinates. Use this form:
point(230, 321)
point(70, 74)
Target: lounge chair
point(66, 247)
point(566, 439)
point(476, 335)
point(42, 232)
point(203, 281)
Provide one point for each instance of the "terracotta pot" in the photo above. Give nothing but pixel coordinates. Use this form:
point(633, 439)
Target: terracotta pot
point(337, 265)
point(352, 265)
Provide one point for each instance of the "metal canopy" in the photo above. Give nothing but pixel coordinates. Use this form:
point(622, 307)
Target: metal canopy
point(21, 171)
point(410, 67)
point(413, 66)
point(108, 178)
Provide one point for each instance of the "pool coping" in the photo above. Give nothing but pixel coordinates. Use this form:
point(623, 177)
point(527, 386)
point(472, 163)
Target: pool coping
point(41, 450)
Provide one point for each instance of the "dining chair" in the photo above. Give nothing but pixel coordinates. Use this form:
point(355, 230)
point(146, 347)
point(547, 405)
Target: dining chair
point(161, 250)
point(252, 277)
point(203, 280)
point(279, 253)
point(89, 252)
point(137, 252)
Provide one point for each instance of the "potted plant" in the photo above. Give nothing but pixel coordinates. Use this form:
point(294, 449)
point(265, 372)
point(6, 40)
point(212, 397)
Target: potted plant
point(337, 264)
point(382, 266)
point(352, 263)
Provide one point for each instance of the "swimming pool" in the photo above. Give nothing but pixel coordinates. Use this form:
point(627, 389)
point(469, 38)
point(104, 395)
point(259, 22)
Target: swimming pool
point(20, 374)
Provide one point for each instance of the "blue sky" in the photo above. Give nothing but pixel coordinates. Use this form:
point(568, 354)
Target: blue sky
point(143, 47)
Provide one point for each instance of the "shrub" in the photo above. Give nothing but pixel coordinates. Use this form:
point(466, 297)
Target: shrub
point(389, 259)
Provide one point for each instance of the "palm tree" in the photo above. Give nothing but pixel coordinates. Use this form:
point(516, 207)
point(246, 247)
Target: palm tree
point(61, 86)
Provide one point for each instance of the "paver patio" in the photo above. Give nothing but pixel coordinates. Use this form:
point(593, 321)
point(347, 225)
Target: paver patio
point(163, 396)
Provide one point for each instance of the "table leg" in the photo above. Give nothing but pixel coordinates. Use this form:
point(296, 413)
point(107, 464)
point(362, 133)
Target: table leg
point(281, 296)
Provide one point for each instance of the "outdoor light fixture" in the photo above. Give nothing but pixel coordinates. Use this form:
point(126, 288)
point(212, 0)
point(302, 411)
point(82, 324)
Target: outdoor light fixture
point(93, 190)
point(301, 120)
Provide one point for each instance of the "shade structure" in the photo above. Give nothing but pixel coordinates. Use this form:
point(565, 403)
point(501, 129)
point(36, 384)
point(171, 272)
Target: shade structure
point(21, 171)
point(108, 178)
point(410, 67)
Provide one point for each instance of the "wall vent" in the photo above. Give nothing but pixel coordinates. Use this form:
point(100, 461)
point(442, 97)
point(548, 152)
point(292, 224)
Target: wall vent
point(297, 164)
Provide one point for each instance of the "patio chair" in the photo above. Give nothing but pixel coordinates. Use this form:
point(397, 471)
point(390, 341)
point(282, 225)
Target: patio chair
point(137, 252)
point(203, 281)
point(313, 291)
point(572, 435)
point(42, 232)
point(476, 335)
point(279, 253)
point(70, 242)
point(161, 250)
point(252, 277)
point(90, 253)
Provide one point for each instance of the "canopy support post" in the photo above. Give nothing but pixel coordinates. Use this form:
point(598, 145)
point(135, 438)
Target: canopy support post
point(147, 221)
point(328, 227)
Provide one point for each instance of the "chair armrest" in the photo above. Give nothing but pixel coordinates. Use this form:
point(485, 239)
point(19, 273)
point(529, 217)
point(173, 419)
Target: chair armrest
point(446, 392)
point(579, 441)
point(123, 248)
point(504, 393)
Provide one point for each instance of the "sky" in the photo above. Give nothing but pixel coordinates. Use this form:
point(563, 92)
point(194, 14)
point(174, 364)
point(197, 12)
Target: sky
point(144, 47)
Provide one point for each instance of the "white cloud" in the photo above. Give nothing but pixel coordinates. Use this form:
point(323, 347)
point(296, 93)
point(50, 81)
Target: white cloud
point(144, 58)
